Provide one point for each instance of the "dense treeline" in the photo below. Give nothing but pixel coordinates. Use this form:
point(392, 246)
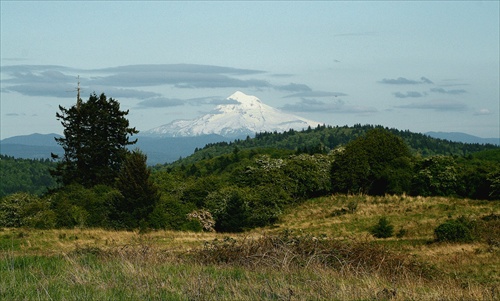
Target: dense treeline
point(323, 139)
point(252, 187)
point(249, 184)
point(25, 175)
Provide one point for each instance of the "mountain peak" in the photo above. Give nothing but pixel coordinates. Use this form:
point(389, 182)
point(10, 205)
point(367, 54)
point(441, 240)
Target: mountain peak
point(245, 117)
point(243, 98)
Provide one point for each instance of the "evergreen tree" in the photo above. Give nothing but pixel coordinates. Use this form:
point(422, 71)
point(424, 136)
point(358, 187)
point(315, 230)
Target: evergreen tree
point(96, 134)
point(139, 193)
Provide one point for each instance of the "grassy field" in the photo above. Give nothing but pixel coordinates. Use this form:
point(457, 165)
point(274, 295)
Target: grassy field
point(320, 250)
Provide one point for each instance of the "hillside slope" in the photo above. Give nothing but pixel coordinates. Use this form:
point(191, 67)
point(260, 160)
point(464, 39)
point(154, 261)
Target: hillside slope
point(322, 139)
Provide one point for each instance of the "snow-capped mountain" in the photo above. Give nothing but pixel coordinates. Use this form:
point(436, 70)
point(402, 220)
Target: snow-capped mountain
point(245, 115)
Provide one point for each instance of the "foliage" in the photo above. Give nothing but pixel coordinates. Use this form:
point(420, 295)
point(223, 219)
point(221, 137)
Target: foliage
point(435, 176)
point(96, 134)
point(310, 175)
point(324, 139)
point(457, 230)
point(25, 210)
point(77, 206)
point(251, 186)
point(171, 214)
point(204, 217)
point(383, 229)
point(376, 163)
point(25, 175)
point(230, 209)
point(139, 194)
point(494, 179)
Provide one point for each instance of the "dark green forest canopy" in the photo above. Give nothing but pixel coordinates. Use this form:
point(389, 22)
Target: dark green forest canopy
point(25, 175)
point(251, 187)
point(326, 138)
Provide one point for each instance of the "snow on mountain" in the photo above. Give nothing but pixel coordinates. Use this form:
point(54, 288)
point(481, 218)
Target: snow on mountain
point(244, 115)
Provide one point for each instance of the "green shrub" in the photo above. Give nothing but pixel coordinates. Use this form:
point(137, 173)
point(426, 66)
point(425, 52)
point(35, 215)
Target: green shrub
point(383, 229)
point(12, 207)
point(169, 213)
point(458, 230)
point(75, 205)
point(26, 210)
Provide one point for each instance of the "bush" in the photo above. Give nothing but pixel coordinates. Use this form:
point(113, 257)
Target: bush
point(75, 205)
point(26, 210)
point(171, 214)
point(383, 229)
point(458, 230)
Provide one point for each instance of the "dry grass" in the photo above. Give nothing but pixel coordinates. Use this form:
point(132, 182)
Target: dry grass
point(325, 253)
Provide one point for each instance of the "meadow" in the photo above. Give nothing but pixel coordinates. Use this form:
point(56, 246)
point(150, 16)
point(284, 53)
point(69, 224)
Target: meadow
point(321, 249)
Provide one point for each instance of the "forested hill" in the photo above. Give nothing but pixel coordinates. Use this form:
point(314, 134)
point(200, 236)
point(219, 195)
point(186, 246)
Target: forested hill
point(26, 175)
point(325, 138)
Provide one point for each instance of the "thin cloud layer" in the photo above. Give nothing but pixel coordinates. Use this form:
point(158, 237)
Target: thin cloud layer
point(482, 112)
point(409, 94)
point(293, 87)
point(336, 106)
point(444, 105)
point(58, 81)
point(452, 92)
point(416, 94)
point(405, 81)
point(179, 68)
point(164, 102)
point(160, 102)
point(177, 79)
point(311, 93)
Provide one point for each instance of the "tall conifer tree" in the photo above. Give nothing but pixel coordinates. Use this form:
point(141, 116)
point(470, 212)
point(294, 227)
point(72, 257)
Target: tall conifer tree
point(96, 134)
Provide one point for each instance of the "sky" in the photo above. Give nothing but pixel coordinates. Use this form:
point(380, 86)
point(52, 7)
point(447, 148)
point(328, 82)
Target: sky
point(418, 66)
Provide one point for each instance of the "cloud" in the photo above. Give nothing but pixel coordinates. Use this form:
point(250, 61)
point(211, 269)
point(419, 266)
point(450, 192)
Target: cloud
point(436, 105)
point(35, 68)
point(126, 81)
point(47, 77)
point(481, 112)
point(179, 68)
point(178, 75)
point(293, 87)
point(452, 92)
point(119, 92)
point(55, 82)
point(409, 94)
point(405, 81)
point(160, 102)
point(59, 81)
point(336, 106)
point(163, 102)
point(60, 90)
point(68, 90)
point(316, 94)
point(222, 101)
point(425, 80)
point(177, 79)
